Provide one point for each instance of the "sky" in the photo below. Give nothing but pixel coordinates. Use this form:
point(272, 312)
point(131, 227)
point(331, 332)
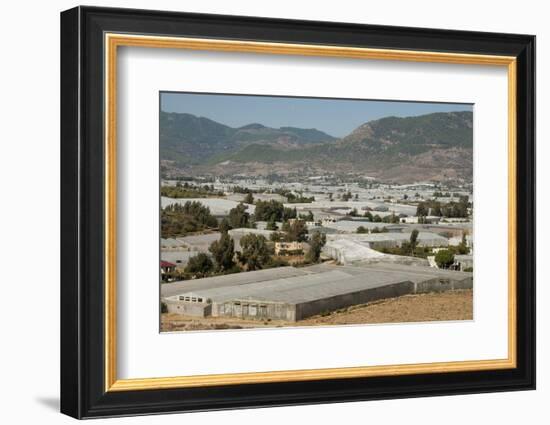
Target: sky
point(337, 117)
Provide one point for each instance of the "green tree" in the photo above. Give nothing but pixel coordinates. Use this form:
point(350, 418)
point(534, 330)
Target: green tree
point(362, 229)
point(346, 196)
point(297, 231)
point(413, 240)
point(255, 253)
point(444, 259)
point(377, 219)
point(178, 220)
point(463, 245)
point(200, 264)
point(318, 240)
point(249, 199)
point(271, 225)
point(289, 213)
point(277, 237)
point(238, 217)
point(307, 217)
point(269, 211)
point(391, 218)
point(188, 191)
point(223, 251)
point(224, 226)
point(422, 210)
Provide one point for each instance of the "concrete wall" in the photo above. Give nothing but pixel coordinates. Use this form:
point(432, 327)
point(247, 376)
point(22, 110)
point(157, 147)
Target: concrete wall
point(188, 308)
point(443, 284)
point(313, 308)
point(253, 309)
point(390, 243)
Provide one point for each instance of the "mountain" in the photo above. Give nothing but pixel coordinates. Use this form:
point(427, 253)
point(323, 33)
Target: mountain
point(415, 134)
point(190, 139)
point(434, 146)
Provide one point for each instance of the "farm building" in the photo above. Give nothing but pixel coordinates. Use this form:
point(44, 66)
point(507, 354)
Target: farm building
point(165, 269)
point(262, 225)
point(288, 248)
point(464, 261)
point(351, 226)
point(292, 294)
point(391, 239)
point(200, 243)
point(348, 251)
point(171, 243)
point(179, 258)
point(243, 231)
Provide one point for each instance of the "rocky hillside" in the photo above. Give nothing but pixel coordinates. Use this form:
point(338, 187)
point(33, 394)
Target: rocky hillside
point(190, 139)
point(435, 146)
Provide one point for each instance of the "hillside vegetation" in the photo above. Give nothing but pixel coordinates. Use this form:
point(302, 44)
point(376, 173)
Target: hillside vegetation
point(435, 146)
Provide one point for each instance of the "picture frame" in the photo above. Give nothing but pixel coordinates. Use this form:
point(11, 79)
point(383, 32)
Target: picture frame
point(90, 40)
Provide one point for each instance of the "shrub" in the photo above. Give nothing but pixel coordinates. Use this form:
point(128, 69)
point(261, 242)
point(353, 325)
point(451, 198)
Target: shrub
point(444, 258)
point(200, 263)
point(318, 240)
point(255, 253)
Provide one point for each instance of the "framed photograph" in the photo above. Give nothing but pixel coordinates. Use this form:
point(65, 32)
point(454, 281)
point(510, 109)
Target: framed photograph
point(261, 212)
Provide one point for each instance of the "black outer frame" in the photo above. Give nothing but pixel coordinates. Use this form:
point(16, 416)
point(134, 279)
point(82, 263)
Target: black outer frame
point(82, 207)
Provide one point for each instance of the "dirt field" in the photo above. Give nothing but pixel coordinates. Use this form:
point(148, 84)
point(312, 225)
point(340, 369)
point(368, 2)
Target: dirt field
point(453, 305)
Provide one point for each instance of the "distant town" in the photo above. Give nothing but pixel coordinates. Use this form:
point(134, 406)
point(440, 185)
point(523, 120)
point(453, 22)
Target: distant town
point(284, 250)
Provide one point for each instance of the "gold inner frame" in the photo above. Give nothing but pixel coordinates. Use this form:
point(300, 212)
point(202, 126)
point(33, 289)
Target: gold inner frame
point(113, 41)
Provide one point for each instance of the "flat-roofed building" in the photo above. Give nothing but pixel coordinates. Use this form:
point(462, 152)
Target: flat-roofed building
point(288, 248)
point(391, 239)
point(290, 294)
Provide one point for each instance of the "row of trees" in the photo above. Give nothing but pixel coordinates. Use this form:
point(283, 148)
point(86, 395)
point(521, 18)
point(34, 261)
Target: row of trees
point(187, 190)
point(300, 199)
point(270, 211)
point(450, 209)
point(178, 220)
point(390, 218)
point(255, 254)
point(273, 211)
point(295, 198)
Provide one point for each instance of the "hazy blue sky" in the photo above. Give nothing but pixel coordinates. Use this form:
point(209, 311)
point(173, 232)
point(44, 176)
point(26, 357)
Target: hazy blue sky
point(336, 117)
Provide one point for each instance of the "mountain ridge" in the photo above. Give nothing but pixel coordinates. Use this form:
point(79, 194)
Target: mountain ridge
point(439, 143)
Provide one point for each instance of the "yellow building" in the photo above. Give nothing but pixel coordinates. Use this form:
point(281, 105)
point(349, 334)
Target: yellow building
point(288, 248)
